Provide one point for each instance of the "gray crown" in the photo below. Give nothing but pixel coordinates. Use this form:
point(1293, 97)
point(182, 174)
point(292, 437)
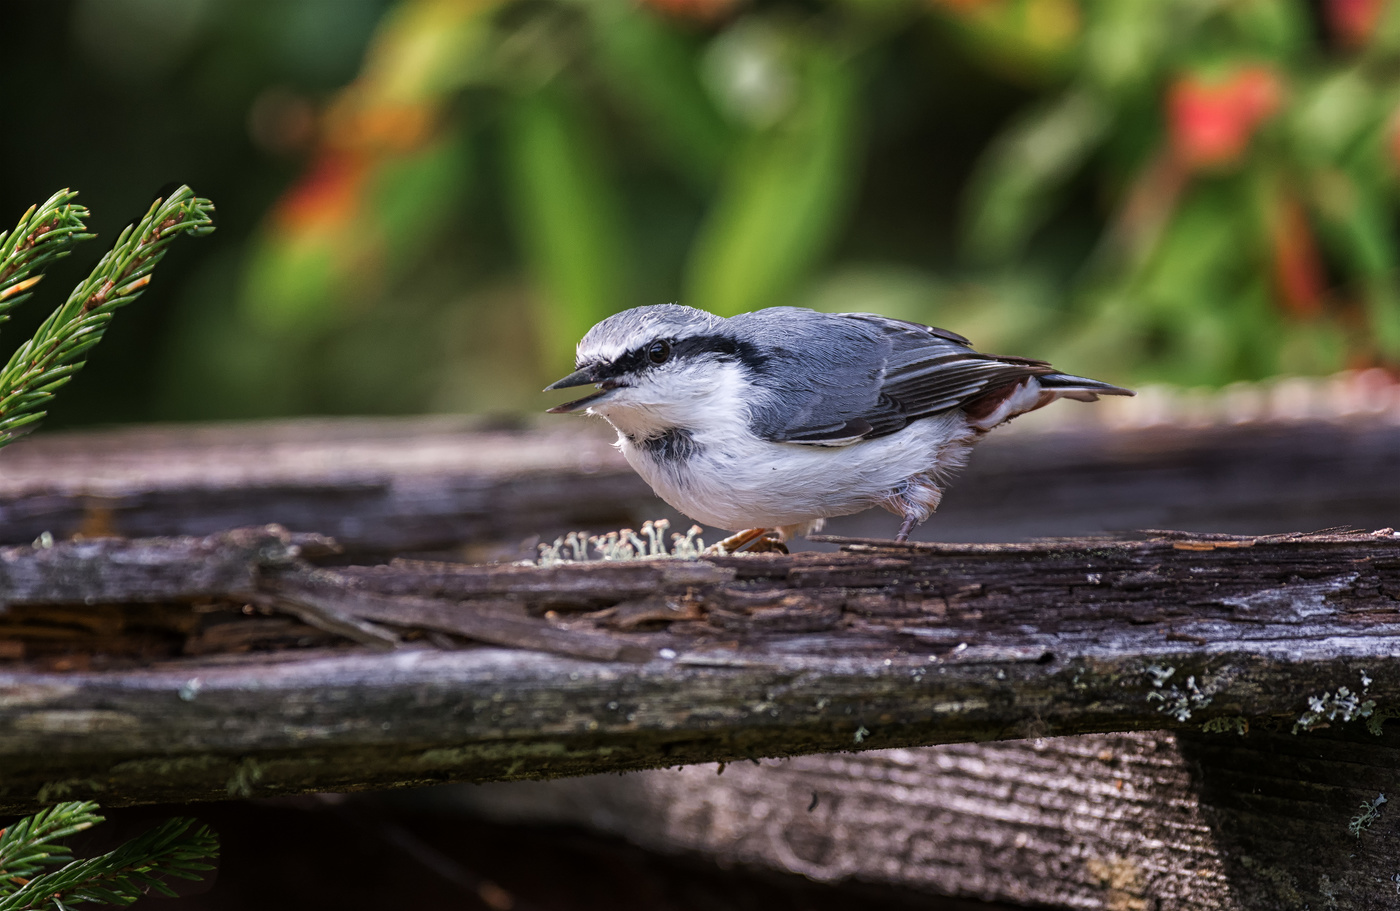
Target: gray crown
point(630, 328)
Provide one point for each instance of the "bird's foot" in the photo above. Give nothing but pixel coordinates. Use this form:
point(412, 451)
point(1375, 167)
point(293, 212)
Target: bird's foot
point(913, 501)
point(754, 540)
point(767, 544)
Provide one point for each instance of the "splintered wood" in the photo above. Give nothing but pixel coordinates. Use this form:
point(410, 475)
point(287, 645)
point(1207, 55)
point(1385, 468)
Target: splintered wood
point(414, 672)
point(235, 666)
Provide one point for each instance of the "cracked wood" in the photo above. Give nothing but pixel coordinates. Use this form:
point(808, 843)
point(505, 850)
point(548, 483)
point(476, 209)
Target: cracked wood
point(738, 656)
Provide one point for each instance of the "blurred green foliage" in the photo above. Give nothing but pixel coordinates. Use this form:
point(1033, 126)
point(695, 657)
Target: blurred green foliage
point(430, 200)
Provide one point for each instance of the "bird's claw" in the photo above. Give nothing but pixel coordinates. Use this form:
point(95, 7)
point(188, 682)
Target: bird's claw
point(767, 544)
point(752, 540)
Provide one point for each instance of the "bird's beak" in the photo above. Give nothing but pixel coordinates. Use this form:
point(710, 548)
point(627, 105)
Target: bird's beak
point(580, 377)
point(580, 404)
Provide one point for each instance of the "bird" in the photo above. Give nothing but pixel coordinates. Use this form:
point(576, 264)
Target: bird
point(770, 422)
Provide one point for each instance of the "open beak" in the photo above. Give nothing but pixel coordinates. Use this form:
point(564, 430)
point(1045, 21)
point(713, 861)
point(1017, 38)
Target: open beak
point(580, 404)
point(582, 377)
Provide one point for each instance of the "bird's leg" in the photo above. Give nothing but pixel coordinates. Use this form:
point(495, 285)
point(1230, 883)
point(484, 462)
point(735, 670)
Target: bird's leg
point(914, 501)
point(736, 542)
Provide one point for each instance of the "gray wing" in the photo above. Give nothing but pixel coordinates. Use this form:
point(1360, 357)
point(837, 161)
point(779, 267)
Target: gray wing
point(835, 379)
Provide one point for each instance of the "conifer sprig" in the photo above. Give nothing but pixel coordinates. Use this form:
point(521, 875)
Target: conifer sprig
point(44, 233)
point(57, 350)
point(118, 877)
point(29, 845)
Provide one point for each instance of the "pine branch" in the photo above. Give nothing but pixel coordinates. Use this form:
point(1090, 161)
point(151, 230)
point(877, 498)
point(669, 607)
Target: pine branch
point(57, 350)
point(44, 234)
point(28, 846)
point(124, 875)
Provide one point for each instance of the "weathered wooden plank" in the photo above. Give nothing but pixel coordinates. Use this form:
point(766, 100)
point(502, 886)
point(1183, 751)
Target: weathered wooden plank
point(378, 486)
point(114, 571)
point(894, 646)
point(1172, 822)
point(388, 486)
point(330, 596)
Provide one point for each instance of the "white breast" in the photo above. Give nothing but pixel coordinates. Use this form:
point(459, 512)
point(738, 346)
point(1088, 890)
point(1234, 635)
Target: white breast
point(737, 480)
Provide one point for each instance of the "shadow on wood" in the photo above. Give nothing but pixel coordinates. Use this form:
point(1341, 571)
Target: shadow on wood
point(390, 486)
point(1105, 821)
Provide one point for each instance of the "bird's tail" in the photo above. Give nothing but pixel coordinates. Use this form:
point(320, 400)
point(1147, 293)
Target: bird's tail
point(1079, 387)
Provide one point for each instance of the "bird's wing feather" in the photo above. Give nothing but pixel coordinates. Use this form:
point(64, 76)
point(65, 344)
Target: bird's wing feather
point(853, 377)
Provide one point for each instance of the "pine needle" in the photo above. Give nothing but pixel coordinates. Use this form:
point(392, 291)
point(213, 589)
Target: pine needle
point(44, 234)
point(59, 348)
point(173, 849)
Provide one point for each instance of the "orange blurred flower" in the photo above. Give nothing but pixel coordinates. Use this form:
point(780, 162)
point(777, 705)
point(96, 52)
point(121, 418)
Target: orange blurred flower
point(327, 194)
point(357, 120)
point(1212, 120)
point(394, 108)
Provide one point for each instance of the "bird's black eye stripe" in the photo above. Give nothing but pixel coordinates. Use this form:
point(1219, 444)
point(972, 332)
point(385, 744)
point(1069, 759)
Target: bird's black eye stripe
point(630, 362)
point(639, 359)
point(724, 345)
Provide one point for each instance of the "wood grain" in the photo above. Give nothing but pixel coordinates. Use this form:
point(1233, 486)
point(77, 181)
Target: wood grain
point(882, 646)
point(1119, 822)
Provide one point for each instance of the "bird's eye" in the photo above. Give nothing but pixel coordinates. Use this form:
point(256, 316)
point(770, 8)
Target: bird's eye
point(659, 351)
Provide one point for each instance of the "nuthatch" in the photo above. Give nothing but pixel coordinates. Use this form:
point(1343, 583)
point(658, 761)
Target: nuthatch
point(781, 418)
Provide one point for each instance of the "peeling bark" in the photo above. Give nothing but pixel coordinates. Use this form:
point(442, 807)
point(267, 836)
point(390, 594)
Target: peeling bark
point(770, 655)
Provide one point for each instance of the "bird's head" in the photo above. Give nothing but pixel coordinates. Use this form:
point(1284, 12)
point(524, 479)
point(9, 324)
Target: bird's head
point(655, 367)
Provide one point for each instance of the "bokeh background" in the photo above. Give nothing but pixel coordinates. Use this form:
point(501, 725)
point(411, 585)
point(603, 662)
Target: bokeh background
point(424, 203)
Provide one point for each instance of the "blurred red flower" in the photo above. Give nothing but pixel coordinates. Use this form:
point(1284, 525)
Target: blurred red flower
point(327, 194)
point(1211, 120)
point(1353, 21)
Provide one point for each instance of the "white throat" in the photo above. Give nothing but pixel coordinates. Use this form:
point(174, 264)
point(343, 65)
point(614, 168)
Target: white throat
point(705, 400)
